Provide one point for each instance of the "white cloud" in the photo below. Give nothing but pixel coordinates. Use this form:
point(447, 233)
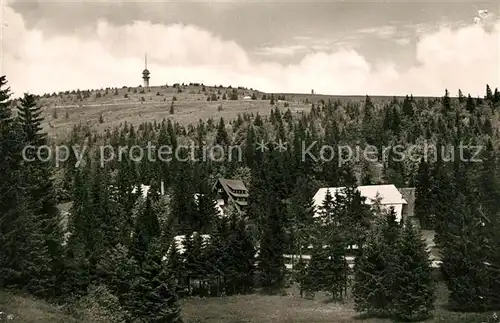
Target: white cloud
point(465, 58)
point(289, 50)
point(402, 41)
point(384, 32)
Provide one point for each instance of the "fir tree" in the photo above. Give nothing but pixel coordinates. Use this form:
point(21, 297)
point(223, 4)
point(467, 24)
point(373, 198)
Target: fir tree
point(153, 291)
point(39, 183)
point(413, 282)
point(221, 138)
point(117, 270)
point(271, 261)
point(24, 257)
point(423, 197)
point(147, 230)
point(374, 287)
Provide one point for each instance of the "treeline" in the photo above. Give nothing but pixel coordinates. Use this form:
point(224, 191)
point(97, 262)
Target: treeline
point(118, 242)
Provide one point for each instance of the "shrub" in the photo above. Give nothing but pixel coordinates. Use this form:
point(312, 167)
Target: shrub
point(100, 306)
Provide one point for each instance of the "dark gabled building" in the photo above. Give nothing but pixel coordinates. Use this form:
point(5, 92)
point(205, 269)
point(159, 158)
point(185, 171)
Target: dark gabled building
point(231, 191)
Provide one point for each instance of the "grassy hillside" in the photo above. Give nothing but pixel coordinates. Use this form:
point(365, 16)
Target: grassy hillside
point(240, 309)
point(136, 105)
point(29, 310)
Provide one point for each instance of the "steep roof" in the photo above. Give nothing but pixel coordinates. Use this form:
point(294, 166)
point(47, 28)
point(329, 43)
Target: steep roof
point(388, 194)
point(234, 184)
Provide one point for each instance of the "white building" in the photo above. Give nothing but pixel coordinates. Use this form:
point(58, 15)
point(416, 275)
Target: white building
point(389, 195)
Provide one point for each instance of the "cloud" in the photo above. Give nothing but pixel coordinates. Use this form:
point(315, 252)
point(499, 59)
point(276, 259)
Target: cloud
point(465, 58)
point(289, 50)
point(402, 41)
point(384, 32)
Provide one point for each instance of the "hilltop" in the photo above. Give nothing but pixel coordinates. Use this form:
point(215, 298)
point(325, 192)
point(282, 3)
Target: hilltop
point(105, 108)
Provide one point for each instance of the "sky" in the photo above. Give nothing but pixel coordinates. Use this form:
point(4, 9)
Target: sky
point(333, 47)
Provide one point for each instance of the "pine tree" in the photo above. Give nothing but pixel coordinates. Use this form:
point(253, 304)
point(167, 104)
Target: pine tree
point(146, 230)
point(462, 239)
point(374, 287)
point(489, 93)
point(221, 138)
point(317, 270)
point(271, 261)
point(461, 97)
point(446, 102)
point(487, 182)
point(175, 265)
point(423, 197)
point(24, 256)
point(206, 213)
point(77, 272)
point(413, 283)
point(39, 183)
point(117, 270)
point(153, 291)
point(193, 257)
point(470, 104)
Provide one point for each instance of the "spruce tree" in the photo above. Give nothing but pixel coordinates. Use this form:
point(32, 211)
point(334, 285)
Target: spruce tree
point(221, 138)
point(271, 261)
point(413, 283)
point(374, 288)
point(24, 256)
point(153, 291)
point(463, 236)
point(117, 270)
point(423, 197)
point(39, 183)
point(147, 229)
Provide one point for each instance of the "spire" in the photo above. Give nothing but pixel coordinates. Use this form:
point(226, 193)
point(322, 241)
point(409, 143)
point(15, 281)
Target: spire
point(146, 61)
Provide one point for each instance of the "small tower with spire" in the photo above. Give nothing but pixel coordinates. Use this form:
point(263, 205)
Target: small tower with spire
point(145, 73)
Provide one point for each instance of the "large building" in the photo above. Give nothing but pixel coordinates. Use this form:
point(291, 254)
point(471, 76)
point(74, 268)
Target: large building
point(389, 195)
point(230, 191)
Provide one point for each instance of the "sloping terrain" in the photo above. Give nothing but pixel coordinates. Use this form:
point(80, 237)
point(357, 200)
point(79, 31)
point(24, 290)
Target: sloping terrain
point(105, 108)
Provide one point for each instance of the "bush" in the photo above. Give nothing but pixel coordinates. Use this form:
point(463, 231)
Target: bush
point(100, 305)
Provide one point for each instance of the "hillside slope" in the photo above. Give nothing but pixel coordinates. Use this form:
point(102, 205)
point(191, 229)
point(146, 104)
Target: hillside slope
point(28, 310)
point(105, 108)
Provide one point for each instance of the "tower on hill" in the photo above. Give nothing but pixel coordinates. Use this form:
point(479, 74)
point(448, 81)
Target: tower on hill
point(145, 73)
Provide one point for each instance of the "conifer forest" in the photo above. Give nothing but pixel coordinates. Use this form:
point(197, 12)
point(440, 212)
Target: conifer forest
point(141, 238)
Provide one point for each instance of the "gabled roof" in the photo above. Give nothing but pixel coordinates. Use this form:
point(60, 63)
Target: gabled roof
point(234, 184)
point(231, 185)
point(388, 194)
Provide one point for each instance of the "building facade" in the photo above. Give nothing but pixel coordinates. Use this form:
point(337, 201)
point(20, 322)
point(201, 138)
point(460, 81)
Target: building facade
point(230, 191)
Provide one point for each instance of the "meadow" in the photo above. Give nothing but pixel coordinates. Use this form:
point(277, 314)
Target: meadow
point(254, 308)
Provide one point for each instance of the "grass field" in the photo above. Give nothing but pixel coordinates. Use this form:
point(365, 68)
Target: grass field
point(293, 309)
point(242, 309)
point(63, 111)
point(29, 310)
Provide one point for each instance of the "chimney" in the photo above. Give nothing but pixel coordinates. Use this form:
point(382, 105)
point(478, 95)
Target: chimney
point(162, 188)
